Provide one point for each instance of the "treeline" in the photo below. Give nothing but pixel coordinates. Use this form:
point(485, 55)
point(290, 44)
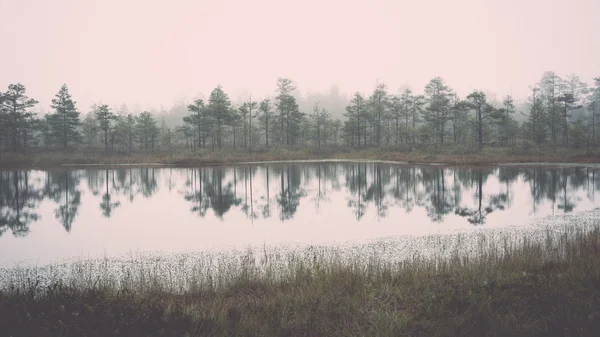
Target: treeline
point(562, 112)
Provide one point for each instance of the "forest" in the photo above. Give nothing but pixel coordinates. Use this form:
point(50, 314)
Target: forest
point(561, 112)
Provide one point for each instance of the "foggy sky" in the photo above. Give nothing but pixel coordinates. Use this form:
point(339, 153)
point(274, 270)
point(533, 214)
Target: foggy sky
point(151, 52)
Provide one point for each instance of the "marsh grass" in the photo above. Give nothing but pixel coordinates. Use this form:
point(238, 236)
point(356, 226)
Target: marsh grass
point(507, 284)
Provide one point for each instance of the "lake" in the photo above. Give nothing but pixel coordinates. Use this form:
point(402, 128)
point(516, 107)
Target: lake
point(55, 215)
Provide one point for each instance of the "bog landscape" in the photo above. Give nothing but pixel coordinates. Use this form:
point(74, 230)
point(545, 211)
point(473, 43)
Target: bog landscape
point(396, 210)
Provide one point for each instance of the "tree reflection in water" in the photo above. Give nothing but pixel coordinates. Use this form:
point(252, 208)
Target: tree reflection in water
point(19, 200)
point(262, 192)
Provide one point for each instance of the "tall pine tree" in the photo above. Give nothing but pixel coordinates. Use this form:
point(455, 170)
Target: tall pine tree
point(18, 118)
point(65, 120)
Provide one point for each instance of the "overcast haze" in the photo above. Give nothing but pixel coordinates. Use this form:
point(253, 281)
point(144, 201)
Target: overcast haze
point(151, 52)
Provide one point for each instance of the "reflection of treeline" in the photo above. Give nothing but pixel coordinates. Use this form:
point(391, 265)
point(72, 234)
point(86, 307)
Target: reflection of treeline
point(22, 191)
point(277, 190)
point(437, 189)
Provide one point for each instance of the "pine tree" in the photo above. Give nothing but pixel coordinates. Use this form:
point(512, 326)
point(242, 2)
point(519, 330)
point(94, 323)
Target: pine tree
point(396, 110)
point(220, 111)
point(147, 131)
point(265, 117)
point(438, 112)
point(406, 101)
point(17, 116)
point(593, 108)
point(536, 123)
point(418, 103)
point(550, 89)
point(198, 119)
point(483, 113)
point(251, 106)
point(65, 121)
point(288, 113)
point(356, 123)
point(242, 116)
point(319, 121)
point(3, 122)
point(505, 119)
point(166, 136)
point(378, 102)
point(105, 119)
point(90, 130)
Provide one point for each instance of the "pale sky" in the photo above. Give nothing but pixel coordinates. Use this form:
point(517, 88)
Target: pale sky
point(151, 52)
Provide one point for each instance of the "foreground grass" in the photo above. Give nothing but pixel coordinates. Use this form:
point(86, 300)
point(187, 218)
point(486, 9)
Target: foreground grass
point(545, 287)
point(489, 156)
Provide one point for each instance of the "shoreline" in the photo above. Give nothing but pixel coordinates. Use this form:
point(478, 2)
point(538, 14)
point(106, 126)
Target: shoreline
point(62, 160)
point(391, 248)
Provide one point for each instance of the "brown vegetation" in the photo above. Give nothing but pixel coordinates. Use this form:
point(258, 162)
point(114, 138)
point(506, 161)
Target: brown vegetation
point(547, 288)
point(491, 156)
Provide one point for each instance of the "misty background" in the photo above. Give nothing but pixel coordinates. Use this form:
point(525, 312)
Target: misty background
point(139, 55)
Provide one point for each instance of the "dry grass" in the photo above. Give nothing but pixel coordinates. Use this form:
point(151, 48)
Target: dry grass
point(453, 156)
point(548, 287)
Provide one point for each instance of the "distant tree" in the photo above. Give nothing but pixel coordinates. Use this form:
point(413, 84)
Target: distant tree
point(147, 130)
point(90, 129)
point(43, 126)
point(129, 128)
point(379, 102)
point(396, 110)
point(105, 119)
point(579, 132)
point(483, 112)
point(251, 106)
point(438, 111)
point(319, 119)
point(356, 119)
point(166, 136)
point(289, 116)
point(198, 119)
point(242, 117)
point(593, 108)
point(219, 107)
point(550, 89)
point(459, 111)
point(65, 122)
point(124, 131)
point(536, 123)
point(568, 102)
point(185, 133)
point(405, 102)
point(3, 122)
point(235, 118)
point(573, 92)
point(265, 117)
point(336, 126)
point(418, 102)
point(17, 116)
point(506, 120)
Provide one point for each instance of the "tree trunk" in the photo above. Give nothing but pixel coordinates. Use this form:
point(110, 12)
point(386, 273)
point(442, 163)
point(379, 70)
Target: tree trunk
point(64, 131)
point(106, 140)
point(480, 130)
point(267, 130)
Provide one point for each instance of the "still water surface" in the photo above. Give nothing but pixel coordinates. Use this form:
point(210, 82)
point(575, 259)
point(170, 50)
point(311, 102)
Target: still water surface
point(48, 216)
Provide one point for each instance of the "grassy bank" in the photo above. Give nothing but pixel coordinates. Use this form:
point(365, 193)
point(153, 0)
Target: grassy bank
point(489, 156)
point(542, 287)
